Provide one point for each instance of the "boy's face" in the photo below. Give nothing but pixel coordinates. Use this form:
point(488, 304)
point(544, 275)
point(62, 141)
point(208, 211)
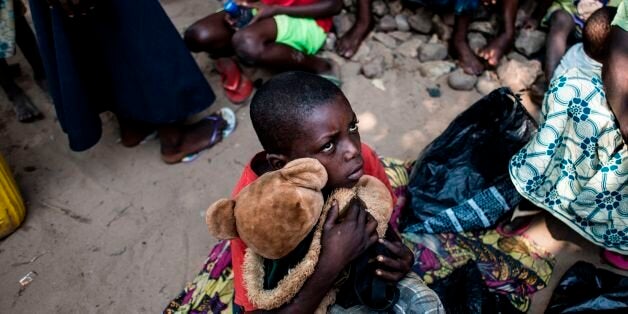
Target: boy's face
point(330, 135)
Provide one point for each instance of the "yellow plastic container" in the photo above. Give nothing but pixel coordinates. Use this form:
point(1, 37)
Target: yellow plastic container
point(12, 210)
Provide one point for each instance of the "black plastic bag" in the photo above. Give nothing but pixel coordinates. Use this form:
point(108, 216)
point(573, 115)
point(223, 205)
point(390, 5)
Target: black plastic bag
point(585, 288)
point(464, 291)
point(464, 171)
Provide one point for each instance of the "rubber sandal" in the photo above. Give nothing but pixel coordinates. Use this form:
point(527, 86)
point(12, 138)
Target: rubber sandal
point(237, 86)
point(230, 119)
point(615, 259)
point(332, 78)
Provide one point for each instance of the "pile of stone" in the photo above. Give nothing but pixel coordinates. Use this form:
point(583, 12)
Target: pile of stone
point(417, 41)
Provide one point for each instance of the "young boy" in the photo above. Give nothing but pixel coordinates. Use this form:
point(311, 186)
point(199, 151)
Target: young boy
point(562, 17)
point(284, 34)
point(298, 115)
point(589, 55)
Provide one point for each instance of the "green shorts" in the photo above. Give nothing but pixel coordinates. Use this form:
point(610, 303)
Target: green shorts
point(302, 34)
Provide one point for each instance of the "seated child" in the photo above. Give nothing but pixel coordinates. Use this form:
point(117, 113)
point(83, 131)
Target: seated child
point(298, 115)
point(284, 35)
point(562, 17)
point(464, 10)
point(588, 55)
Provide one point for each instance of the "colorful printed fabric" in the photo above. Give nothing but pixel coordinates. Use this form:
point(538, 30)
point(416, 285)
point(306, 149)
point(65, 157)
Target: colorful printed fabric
point(397, 172)
point(7, 29)
point(576, 167)
point(212, 289)
point(511, 266)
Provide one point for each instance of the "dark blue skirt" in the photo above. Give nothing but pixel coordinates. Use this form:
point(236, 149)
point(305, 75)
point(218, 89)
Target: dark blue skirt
point(126, 57)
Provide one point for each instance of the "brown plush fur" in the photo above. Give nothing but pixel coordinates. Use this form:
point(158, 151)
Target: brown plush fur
point(276, 212)
point(379, 204)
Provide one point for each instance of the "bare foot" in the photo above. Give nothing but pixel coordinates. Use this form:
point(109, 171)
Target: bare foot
point(25, 110)
point(350, 42)
point(195, 138)
point(494, 51)
point(467, 59)
point(134, 133)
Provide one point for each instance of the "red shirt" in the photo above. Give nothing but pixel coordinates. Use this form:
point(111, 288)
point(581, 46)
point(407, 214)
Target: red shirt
point(372, 167)
point(324, 23)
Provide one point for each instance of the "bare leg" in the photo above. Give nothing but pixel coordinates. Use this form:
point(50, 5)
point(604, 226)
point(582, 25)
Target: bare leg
point(467, 59)
point(26, 40)
point(560, 26)
point(494, 51)
point(349, 43)
point(22, 105)
point(210, 34)
point(255, 45)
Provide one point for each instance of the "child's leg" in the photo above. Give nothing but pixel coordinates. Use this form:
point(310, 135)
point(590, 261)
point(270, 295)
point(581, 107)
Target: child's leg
point(349, 43)
point(24, 108)
point(468, 61)
point(561, 25)
point(26, 40)
point(211, 34)
point(255, 45)
point(503, 42)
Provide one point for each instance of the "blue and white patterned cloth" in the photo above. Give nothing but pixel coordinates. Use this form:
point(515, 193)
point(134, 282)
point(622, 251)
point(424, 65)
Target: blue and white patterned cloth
point(576, 166)
point(7, 29)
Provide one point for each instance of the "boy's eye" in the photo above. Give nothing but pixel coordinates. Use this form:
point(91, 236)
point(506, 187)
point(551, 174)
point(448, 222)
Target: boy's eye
point(353, 127)
point(328, 147)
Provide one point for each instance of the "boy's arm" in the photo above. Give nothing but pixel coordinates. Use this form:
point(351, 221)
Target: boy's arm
point(320, 9)
point(540, 10)
point(341, 243)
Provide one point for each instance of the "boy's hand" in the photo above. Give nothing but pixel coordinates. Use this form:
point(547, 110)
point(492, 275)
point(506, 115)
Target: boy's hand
point(343, 241)
point(398, 265)
point(263, 10)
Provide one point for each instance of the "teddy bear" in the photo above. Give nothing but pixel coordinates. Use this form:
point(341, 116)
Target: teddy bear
point(278, 211)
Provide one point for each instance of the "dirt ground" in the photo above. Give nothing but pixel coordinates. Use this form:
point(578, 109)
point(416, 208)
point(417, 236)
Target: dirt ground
point(115, 230)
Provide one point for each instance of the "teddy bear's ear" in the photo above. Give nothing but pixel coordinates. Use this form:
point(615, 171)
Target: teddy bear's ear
point(220, 219)
point(305, 172)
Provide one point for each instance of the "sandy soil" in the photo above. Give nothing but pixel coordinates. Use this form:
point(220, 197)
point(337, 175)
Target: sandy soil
point(115, 230)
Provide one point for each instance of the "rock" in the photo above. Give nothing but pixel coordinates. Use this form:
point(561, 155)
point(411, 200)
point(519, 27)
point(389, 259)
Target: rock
point(459, 80)
point(395, 7)
point(385, 39)
point(378, 49)
point(342, 23)
point(350, 69)
point(432, 51)
point(530, 41)
point(476, 41)
point(407, 64)
point(402, 22)
point(348, 3)
point(330, 42)
point(379, 8)
point(433, 39)
point(387, 24)
point(421, 22)
point(487, 83)
point(485, 27)
point(400, 36)
point(374, 68)
point(443, 30)
point(434, 69)
point(519, 75)
point(513, 55)
point(410, 48)
point(362, 53)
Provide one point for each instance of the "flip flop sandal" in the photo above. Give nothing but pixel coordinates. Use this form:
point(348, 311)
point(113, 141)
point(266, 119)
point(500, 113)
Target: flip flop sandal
point(242, 93)
point(229, 73)
point(145, 140)
point(225, 114)
point(615, 259)
point(332, 78)
point(517, 232)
